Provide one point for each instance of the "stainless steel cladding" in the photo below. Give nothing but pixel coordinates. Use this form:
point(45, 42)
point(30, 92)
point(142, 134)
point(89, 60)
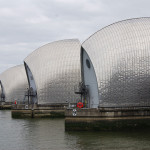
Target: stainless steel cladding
point(55, 69)
point(14, 83)
point(120, 54)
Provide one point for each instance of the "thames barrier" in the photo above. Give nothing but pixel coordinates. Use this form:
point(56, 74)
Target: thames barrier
point(101, 84)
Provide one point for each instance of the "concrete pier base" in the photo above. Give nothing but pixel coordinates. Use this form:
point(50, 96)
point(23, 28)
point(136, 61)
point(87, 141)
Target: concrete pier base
point(5, 105)
point(107, 119)
point(38, 111)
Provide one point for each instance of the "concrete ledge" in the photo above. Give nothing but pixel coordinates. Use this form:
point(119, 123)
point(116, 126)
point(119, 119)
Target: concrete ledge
point(21, 113)
point(5, 105)
point(108, 113)
point(37, 113)
point(107, 124)
point(24, 111)
point(106, 120)
point(49, 113)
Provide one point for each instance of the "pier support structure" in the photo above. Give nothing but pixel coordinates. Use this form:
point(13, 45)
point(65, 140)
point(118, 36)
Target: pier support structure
point(38, 111)
point(107, 119)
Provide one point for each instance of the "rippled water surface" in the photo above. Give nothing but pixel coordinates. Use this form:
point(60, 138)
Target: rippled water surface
point(49, 134)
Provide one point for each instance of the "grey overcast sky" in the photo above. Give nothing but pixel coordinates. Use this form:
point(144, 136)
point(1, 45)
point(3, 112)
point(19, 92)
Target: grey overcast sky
point(26, 25)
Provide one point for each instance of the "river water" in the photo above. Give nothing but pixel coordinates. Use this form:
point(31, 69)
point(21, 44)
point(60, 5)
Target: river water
point(49, 134)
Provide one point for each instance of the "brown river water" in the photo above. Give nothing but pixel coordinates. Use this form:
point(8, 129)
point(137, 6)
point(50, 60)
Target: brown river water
point(49, 134)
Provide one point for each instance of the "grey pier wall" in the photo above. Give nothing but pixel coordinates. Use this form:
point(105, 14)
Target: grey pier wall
point(38, 111)
point(5, 105)
point(105, 119)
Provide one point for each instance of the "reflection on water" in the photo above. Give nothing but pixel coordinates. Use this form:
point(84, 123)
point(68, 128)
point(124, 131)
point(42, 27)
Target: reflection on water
point(110, 140)
point(44, 134)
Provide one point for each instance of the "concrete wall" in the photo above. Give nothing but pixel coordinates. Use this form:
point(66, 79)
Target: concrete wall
point(107, 119)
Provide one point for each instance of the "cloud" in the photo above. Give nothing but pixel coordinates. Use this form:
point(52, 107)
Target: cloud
point(28, 24)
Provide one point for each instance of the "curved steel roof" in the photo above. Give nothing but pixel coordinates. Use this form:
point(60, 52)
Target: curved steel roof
point(56, 70)
point(121, 57)
point(15, 83)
